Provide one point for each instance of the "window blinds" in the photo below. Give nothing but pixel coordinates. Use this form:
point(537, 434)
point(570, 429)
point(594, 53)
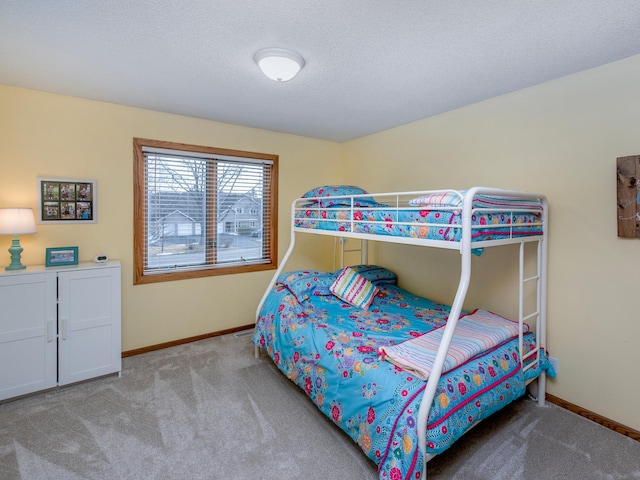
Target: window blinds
point(205, 211)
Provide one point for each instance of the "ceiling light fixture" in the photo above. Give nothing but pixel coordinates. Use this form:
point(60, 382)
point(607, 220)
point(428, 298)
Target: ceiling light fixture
point(279, 64)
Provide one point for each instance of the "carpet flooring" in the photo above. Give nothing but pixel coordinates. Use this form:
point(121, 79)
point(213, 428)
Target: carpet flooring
point(210, 410)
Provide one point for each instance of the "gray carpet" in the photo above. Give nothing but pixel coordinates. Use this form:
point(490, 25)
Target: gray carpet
point(210, 410)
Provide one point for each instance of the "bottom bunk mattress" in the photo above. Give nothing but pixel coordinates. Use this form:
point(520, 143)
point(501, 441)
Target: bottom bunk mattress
point(330, 349)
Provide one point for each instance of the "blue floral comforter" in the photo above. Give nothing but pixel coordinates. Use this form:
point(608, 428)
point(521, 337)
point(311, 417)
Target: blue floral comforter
point(328, 348)
point(423, 223)
point(435, 215)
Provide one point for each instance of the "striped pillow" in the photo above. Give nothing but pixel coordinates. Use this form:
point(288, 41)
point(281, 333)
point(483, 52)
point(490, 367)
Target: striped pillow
point(353, 288)
point(439, 199)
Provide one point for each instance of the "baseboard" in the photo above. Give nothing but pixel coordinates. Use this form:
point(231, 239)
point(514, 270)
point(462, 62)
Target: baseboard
point(605, 422)
point(160, 346)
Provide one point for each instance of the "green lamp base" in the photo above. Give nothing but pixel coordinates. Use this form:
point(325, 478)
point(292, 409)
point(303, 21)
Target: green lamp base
point(15, 250)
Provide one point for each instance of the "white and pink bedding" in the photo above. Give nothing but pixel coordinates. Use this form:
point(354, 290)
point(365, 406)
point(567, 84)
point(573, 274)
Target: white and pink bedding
point(477, 332)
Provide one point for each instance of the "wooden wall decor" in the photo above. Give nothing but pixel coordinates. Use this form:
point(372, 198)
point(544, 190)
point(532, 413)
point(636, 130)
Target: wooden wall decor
point(628, 181)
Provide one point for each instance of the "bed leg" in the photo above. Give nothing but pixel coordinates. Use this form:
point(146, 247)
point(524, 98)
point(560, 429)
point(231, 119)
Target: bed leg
point(542, 384)
point(256, 351)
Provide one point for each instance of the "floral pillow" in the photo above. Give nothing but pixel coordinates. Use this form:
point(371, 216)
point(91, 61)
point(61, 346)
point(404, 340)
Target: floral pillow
point(327, 193)
point(353, 288)
point(374, 273)
point(304, 283)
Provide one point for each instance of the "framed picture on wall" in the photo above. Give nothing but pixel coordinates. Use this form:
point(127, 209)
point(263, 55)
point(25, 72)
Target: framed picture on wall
point(63, 200)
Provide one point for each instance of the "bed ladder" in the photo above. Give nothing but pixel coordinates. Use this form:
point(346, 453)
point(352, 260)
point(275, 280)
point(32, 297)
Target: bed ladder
point(537, 279)
point(362, 248)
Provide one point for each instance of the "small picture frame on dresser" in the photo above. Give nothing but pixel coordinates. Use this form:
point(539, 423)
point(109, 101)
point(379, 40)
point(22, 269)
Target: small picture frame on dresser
point(61, 256)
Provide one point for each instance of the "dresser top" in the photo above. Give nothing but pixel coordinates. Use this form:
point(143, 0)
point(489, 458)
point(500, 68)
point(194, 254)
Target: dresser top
point(61, 268)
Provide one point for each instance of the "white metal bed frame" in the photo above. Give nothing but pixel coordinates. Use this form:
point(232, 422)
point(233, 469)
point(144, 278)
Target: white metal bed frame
point(464, 246)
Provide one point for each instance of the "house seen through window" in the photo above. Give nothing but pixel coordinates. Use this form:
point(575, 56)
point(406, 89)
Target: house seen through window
point(202, 211)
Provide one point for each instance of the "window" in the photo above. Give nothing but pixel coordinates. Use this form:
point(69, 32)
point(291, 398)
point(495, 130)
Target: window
point(190, 211)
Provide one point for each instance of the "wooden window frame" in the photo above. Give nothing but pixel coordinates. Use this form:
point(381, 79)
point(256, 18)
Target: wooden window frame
point(140, 208)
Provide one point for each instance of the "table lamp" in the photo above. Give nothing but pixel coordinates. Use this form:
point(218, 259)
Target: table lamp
point(16, 221)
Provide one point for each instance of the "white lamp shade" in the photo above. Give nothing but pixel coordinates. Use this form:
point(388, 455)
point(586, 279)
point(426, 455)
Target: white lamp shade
point(279, 64)
point(14, 221)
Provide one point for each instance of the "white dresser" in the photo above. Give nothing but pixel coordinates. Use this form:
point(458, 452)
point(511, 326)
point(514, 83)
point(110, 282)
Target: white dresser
point(58, 325)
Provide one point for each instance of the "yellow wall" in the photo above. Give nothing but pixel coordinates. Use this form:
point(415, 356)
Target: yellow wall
point(57, 136)
point(562, 139)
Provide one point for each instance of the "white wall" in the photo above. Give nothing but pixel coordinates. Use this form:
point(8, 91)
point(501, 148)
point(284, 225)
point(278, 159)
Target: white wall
point(562, 139)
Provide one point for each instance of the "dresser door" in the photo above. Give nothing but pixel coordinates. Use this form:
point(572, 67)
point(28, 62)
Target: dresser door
point(88, 323)
point(28, 353)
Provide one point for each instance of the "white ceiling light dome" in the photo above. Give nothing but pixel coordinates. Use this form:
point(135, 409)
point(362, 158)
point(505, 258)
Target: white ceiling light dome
point(279, 64)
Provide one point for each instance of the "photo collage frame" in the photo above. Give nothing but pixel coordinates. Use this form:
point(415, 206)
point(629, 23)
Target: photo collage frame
point(66, 201)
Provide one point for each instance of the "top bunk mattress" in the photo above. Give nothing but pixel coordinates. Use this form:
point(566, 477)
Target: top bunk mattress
point(429, 215)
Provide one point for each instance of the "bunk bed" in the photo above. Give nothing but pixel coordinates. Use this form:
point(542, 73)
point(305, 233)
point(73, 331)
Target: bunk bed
point(404, 376)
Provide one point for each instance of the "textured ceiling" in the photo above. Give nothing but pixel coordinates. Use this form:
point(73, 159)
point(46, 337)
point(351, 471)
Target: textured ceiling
point(370, 64)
